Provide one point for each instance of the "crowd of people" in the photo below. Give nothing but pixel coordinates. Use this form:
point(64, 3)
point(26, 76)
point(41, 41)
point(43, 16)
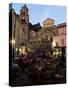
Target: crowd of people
point(38, 68)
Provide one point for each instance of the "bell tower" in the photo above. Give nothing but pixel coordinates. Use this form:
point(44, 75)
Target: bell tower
point(24, 25)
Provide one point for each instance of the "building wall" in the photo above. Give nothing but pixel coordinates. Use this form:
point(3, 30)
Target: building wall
point(13, 24)
point(59, 30)
point(61, 37)
point(55, 30)
point(61, 40)
point(17, 34)
point(32, 34)
point(62, 30)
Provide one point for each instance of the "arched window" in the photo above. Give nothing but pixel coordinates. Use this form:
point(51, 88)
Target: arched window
point(22, 21)
point(23, 13)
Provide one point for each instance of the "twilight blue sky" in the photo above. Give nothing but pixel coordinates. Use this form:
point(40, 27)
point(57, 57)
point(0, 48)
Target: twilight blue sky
point(38, 13)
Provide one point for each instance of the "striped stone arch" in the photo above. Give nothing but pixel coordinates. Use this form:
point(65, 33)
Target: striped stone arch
point(42, 35)
point(45, 33)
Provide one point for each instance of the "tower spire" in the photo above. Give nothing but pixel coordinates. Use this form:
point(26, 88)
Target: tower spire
point(24, 7)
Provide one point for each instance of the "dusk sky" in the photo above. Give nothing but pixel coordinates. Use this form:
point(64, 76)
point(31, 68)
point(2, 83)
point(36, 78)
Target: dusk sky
point(39, 13)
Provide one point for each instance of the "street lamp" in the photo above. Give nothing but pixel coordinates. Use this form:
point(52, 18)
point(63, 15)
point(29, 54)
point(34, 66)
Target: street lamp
point(12, 42)
point(20, 51)
point(56, 49)
point(53, 44)
point(25, 50)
